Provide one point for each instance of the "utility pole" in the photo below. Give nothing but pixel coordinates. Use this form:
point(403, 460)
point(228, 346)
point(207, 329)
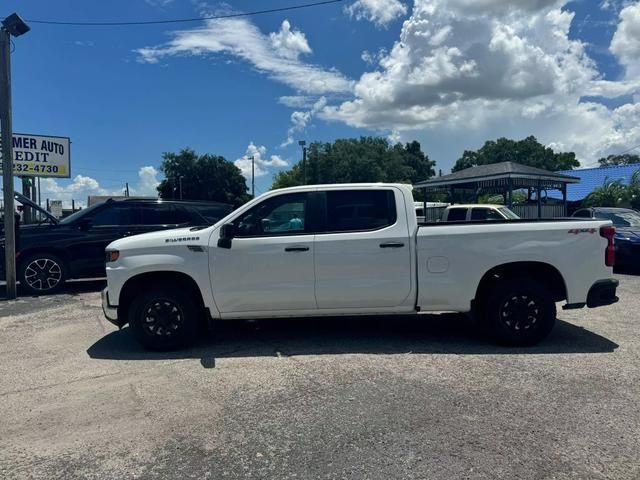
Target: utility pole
point(302, 143)
point(253, 176)
point(12, 25)
point(180, 182)
point(126, 189)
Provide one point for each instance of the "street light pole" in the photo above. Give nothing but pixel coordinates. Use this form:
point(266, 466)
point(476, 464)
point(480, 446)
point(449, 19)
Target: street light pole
point(302, 143)
point(253, 176)
point(7, 164)
point(12, 25)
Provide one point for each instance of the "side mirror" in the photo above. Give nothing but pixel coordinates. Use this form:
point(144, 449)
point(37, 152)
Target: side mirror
point(84, 224)
point(227, 233)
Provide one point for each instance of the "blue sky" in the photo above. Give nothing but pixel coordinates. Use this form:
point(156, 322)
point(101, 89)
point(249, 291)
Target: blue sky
point(450, 74)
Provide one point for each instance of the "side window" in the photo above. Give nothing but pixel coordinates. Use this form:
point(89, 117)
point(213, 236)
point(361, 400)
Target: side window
point(484, 214)
point(353, 210)
point(479, 214)
point(112, 215)
point(583, 214)
point(158, 214)
point(281, 215)
point(457, 214)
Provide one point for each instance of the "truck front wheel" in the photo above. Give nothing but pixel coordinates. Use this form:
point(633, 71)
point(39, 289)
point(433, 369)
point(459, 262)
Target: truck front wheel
point(519, 312)
point(164, 319)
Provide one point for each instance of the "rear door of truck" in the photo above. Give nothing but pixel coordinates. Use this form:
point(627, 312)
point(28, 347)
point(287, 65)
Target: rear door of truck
point(363, 255)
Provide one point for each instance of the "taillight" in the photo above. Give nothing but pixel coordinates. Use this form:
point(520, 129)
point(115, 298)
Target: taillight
point(609, 233)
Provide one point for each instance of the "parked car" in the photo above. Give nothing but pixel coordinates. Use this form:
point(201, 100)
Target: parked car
point(53, 251)
point(356, 249)
point(477, 213)
point(627, 223)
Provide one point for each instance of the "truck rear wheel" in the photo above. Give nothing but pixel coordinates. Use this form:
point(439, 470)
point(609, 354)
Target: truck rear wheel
point(164, 319)
point(519, 312)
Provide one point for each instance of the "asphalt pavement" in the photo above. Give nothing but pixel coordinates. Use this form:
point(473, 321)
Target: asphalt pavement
point(420, 397)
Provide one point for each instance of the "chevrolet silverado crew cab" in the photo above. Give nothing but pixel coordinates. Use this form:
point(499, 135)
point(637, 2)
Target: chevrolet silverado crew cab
point(355, 250)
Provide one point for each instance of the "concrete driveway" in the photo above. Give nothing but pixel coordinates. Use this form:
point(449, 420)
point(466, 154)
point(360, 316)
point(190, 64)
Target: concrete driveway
point(366, 398)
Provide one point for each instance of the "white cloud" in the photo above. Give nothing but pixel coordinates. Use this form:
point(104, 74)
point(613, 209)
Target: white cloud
point(276, 55)
point(158, 3)
point(463, 71)
point(626, 40)
point(84, 43)
point(81, 187)
point(289, 44)
point(297, 101)
point(380, 12)
point(147, 183)
point(263, 164)
point(300, 120)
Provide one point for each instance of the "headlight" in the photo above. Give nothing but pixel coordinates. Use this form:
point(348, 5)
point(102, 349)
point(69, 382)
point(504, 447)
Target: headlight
point(112, 256)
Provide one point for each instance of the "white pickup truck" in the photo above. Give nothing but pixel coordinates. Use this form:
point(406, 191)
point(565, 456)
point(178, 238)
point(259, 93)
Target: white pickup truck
point(355, 250)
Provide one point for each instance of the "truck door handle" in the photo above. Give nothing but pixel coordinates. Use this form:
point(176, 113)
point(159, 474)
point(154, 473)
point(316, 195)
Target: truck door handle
point(392, 245)
point(296, 249)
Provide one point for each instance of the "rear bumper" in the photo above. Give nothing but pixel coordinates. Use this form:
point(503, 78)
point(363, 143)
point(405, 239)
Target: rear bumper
point(603, 292)
point(627, 254)
point(110, 312)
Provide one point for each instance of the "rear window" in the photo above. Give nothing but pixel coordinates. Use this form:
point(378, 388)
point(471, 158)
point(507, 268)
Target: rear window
point(457, 214)
point(360, 210)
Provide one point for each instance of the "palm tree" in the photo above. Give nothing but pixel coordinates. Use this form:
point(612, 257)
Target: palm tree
point(610, 194)
point(633, 190)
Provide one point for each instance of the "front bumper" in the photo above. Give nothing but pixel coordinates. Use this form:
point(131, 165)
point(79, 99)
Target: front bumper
point(110, 312)
point(602, 293)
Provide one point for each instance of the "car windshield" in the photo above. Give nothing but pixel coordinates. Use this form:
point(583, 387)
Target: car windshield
point(508, 213)
point(622, 219)
point(79, 214)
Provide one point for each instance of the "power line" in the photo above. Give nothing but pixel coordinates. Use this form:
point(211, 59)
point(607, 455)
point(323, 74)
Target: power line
point(615, 154)
point(183, 20)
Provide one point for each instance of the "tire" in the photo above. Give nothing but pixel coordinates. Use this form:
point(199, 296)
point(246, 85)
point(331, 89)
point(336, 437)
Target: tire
point(164, 319)
point(519, 312)
point(42, 273)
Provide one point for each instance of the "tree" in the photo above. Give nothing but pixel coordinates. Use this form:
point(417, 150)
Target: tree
point(204, 177)
point(624, 159)
point(367, 159)
point(526, 152)
point(633, 190)
point(610, 194)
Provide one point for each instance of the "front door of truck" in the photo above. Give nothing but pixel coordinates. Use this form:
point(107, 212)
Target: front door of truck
point(269, 265)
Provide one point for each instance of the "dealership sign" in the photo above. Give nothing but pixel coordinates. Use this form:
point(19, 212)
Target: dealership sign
point(41, 156)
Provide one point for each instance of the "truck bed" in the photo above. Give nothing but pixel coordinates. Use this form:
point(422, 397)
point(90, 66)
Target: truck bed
point(453, 257)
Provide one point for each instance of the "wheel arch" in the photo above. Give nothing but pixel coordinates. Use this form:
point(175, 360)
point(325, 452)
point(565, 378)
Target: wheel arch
point(148, 279)
point(58, 252)
point(539, 271)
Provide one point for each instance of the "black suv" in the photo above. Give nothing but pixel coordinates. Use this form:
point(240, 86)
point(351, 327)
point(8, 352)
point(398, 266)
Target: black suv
point(51, 252)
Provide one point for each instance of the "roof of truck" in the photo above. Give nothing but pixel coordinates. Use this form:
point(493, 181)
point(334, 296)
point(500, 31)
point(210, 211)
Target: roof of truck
point(342, 186)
